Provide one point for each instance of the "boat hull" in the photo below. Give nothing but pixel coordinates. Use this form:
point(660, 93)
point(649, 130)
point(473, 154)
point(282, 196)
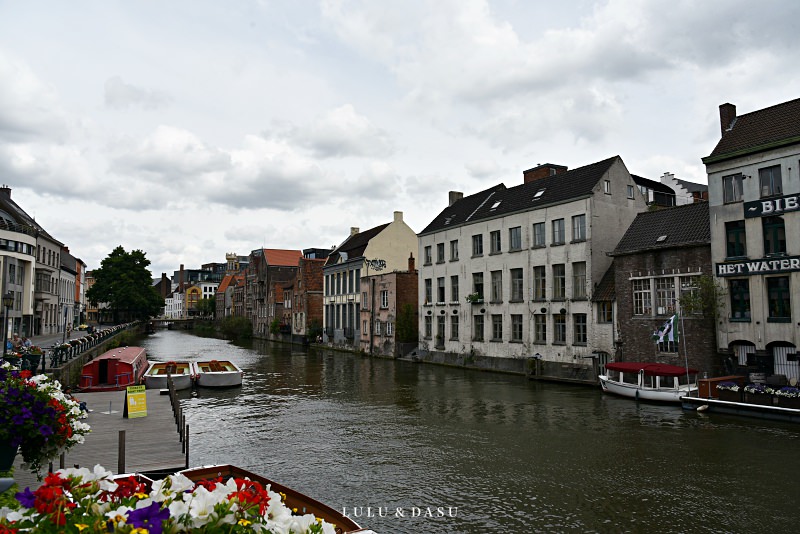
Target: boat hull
point(634, 391)
point(218, 374)
point(114, 370)
point(158, 374)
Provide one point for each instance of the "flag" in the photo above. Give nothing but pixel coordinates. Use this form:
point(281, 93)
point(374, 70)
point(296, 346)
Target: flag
point(668, 331)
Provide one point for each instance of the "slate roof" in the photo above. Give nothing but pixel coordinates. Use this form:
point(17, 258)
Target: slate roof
point(354, 245)
point(607, 288)
point(499, 201)
point(764, 129)
point(682, 225)
point(654, 185)
point(692, 187)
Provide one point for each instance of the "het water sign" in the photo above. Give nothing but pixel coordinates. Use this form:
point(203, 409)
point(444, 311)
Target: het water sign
point(784, 264)
point(772, 206)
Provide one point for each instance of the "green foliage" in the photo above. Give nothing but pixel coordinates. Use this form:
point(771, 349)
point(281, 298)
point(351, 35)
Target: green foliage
point(314, 329)
point(275, 327)
point(236, 328)
point(207, 307)
point(126, 338)
point(407, 325)
point(204, 329)
point(124, 282)
point(708, 299)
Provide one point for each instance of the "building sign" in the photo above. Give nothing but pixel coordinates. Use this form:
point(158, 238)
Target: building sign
point(784, 264)
point(772, 206)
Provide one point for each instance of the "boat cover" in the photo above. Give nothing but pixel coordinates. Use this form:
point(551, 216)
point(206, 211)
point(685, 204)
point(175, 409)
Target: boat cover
point(650, 369)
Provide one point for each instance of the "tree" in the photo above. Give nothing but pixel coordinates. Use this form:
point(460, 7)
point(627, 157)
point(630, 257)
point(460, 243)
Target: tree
point(126, 285)
point(407, 326)
point(707, 298)
point(206, 307)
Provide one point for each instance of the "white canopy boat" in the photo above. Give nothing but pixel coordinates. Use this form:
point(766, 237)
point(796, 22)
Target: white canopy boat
point(649, 381)
point(181, 372)
point(217, 374)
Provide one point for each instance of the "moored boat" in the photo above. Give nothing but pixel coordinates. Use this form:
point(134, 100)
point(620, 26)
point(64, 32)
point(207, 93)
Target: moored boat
point(293, 499)
point(217, 373)
point(649, 381)
point(114, 370)
point(181, 372)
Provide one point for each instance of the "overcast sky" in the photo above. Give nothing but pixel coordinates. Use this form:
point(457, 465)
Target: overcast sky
point(188, 129)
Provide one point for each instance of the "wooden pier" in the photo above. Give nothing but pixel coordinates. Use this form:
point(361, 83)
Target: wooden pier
point(155, 445)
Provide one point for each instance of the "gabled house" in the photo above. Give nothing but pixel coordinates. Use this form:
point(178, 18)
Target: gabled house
point(266, 267)
point(685, 192)
point(754, 200)
point(223, 299)
point(307, 302)
point(508, 273)
point(384, 248)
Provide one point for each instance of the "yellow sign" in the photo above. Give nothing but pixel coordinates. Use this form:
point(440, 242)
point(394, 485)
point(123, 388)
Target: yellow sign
point(135, 402)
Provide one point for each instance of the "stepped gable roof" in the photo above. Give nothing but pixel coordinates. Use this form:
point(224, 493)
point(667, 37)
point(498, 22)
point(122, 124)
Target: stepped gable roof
point(279, 257)
point(667, 228)
point(692, 187)
point(354, 245)
point(764, 129)
point(499, 200)
point(607, 288)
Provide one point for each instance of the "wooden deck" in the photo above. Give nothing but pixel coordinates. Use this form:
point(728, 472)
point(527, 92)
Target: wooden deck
point(152, 443)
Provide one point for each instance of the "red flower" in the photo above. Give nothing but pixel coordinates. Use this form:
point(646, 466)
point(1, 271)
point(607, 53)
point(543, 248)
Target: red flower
point(250, 494)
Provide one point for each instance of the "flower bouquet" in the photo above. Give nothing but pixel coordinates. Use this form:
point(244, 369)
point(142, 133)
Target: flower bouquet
point(78, 500)
point(37, 417)
point(788, 397)
point(758, 394)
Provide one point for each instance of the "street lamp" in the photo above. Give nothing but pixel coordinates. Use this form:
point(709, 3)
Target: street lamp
point(8, 301)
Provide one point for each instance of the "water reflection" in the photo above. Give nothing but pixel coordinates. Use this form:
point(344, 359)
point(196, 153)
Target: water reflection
point(510, 454)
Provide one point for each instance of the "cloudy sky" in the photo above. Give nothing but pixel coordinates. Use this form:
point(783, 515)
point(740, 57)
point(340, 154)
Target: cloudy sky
point(189, 129)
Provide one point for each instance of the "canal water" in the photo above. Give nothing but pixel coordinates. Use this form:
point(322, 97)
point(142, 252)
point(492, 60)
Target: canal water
point(417, 448)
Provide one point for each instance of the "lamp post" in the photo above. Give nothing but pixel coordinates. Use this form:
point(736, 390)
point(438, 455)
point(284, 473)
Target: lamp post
point(64, 336)
point(8, 301)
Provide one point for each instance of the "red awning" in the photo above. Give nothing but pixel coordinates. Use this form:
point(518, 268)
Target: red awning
point(650, 369)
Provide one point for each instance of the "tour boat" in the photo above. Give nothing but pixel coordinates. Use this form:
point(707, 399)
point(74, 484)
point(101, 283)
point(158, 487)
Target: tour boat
point(181, 372)
point(217, 373)
point(114, 370)
point(293, 499)
point(649, 381)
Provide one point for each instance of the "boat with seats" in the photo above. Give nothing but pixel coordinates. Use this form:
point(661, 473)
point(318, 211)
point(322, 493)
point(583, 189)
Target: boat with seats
point(157, 375)
point(648, 381)
point(217, 373)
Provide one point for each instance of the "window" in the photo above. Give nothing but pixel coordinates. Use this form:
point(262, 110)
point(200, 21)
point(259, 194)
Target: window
point(642, 304)
point(428, 327)
point(558, 232)
point(454, 327)
point(774, 235)
point(477, 328)
point(540, 328)
point(384, 298)
point(440, 331)
point(732, 188)
point(454, 250)
point(605, 312)
point(427, 259)
point(559, 328)
point(607, 187)
point(517, 293)
point(440, 290)
point(779, 301)
point(579, 334)
point(497, 286)
point(539, 283)
point(364, 301)
point(515, 238)
point(477, 284)
point(377, 328)
point(690, 292)
point(364, 327)
point(477, 245)
point(389, 328)
point(770, 181)
point(497, 327)
point(665, 296)
point(739, 291)
point(428, 290)
point(494, 240)
point(454, 288)
point(579, 280)
point(516, 327)
point(440, 253)
point(736, 242)
point(559, 282)
point(630, 191)
point(579, 228)
point(538, 235)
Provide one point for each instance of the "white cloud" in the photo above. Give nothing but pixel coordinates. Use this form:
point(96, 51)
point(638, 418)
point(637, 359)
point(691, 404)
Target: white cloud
point(120, 95)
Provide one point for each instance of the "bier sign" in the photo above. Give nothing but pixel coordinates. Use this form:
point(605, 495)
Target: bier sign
point(772, 206)
point(135, 402)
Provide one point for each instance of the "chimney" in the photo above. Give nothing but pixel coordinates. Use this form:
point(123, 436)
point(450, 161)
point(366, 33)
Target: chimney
point(542, 171)
point(454, 196)
point(353, 230)
point(5, 190)
point(411, 264)
point(398, 216)
point(180, 279)
point(727, 116)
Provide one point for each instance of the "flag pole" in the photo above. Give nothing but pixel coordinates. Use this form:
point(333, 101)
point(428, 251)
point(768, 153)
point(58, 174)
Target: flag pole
point(685, 356)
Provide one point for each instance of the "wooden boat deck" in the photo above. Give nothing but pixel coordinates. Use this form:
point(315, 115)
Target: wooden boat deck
point(152, 443)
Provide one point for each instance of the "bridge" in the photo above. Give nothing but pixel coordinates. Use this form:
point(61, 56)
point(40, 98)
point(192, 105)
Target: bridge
point(170, 324)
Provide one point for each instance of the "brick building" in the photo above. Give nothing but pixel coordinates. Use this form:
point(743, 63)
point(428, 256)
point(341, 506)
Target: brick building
point(306, 311)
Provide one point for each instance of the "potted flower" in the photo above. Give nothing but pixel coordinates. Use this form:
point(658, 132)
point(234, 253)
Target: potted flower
point(729, 391)
point(37, 420)
point(78, 500)
point(758, 394)
point(474, 298)
point(788, 397)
